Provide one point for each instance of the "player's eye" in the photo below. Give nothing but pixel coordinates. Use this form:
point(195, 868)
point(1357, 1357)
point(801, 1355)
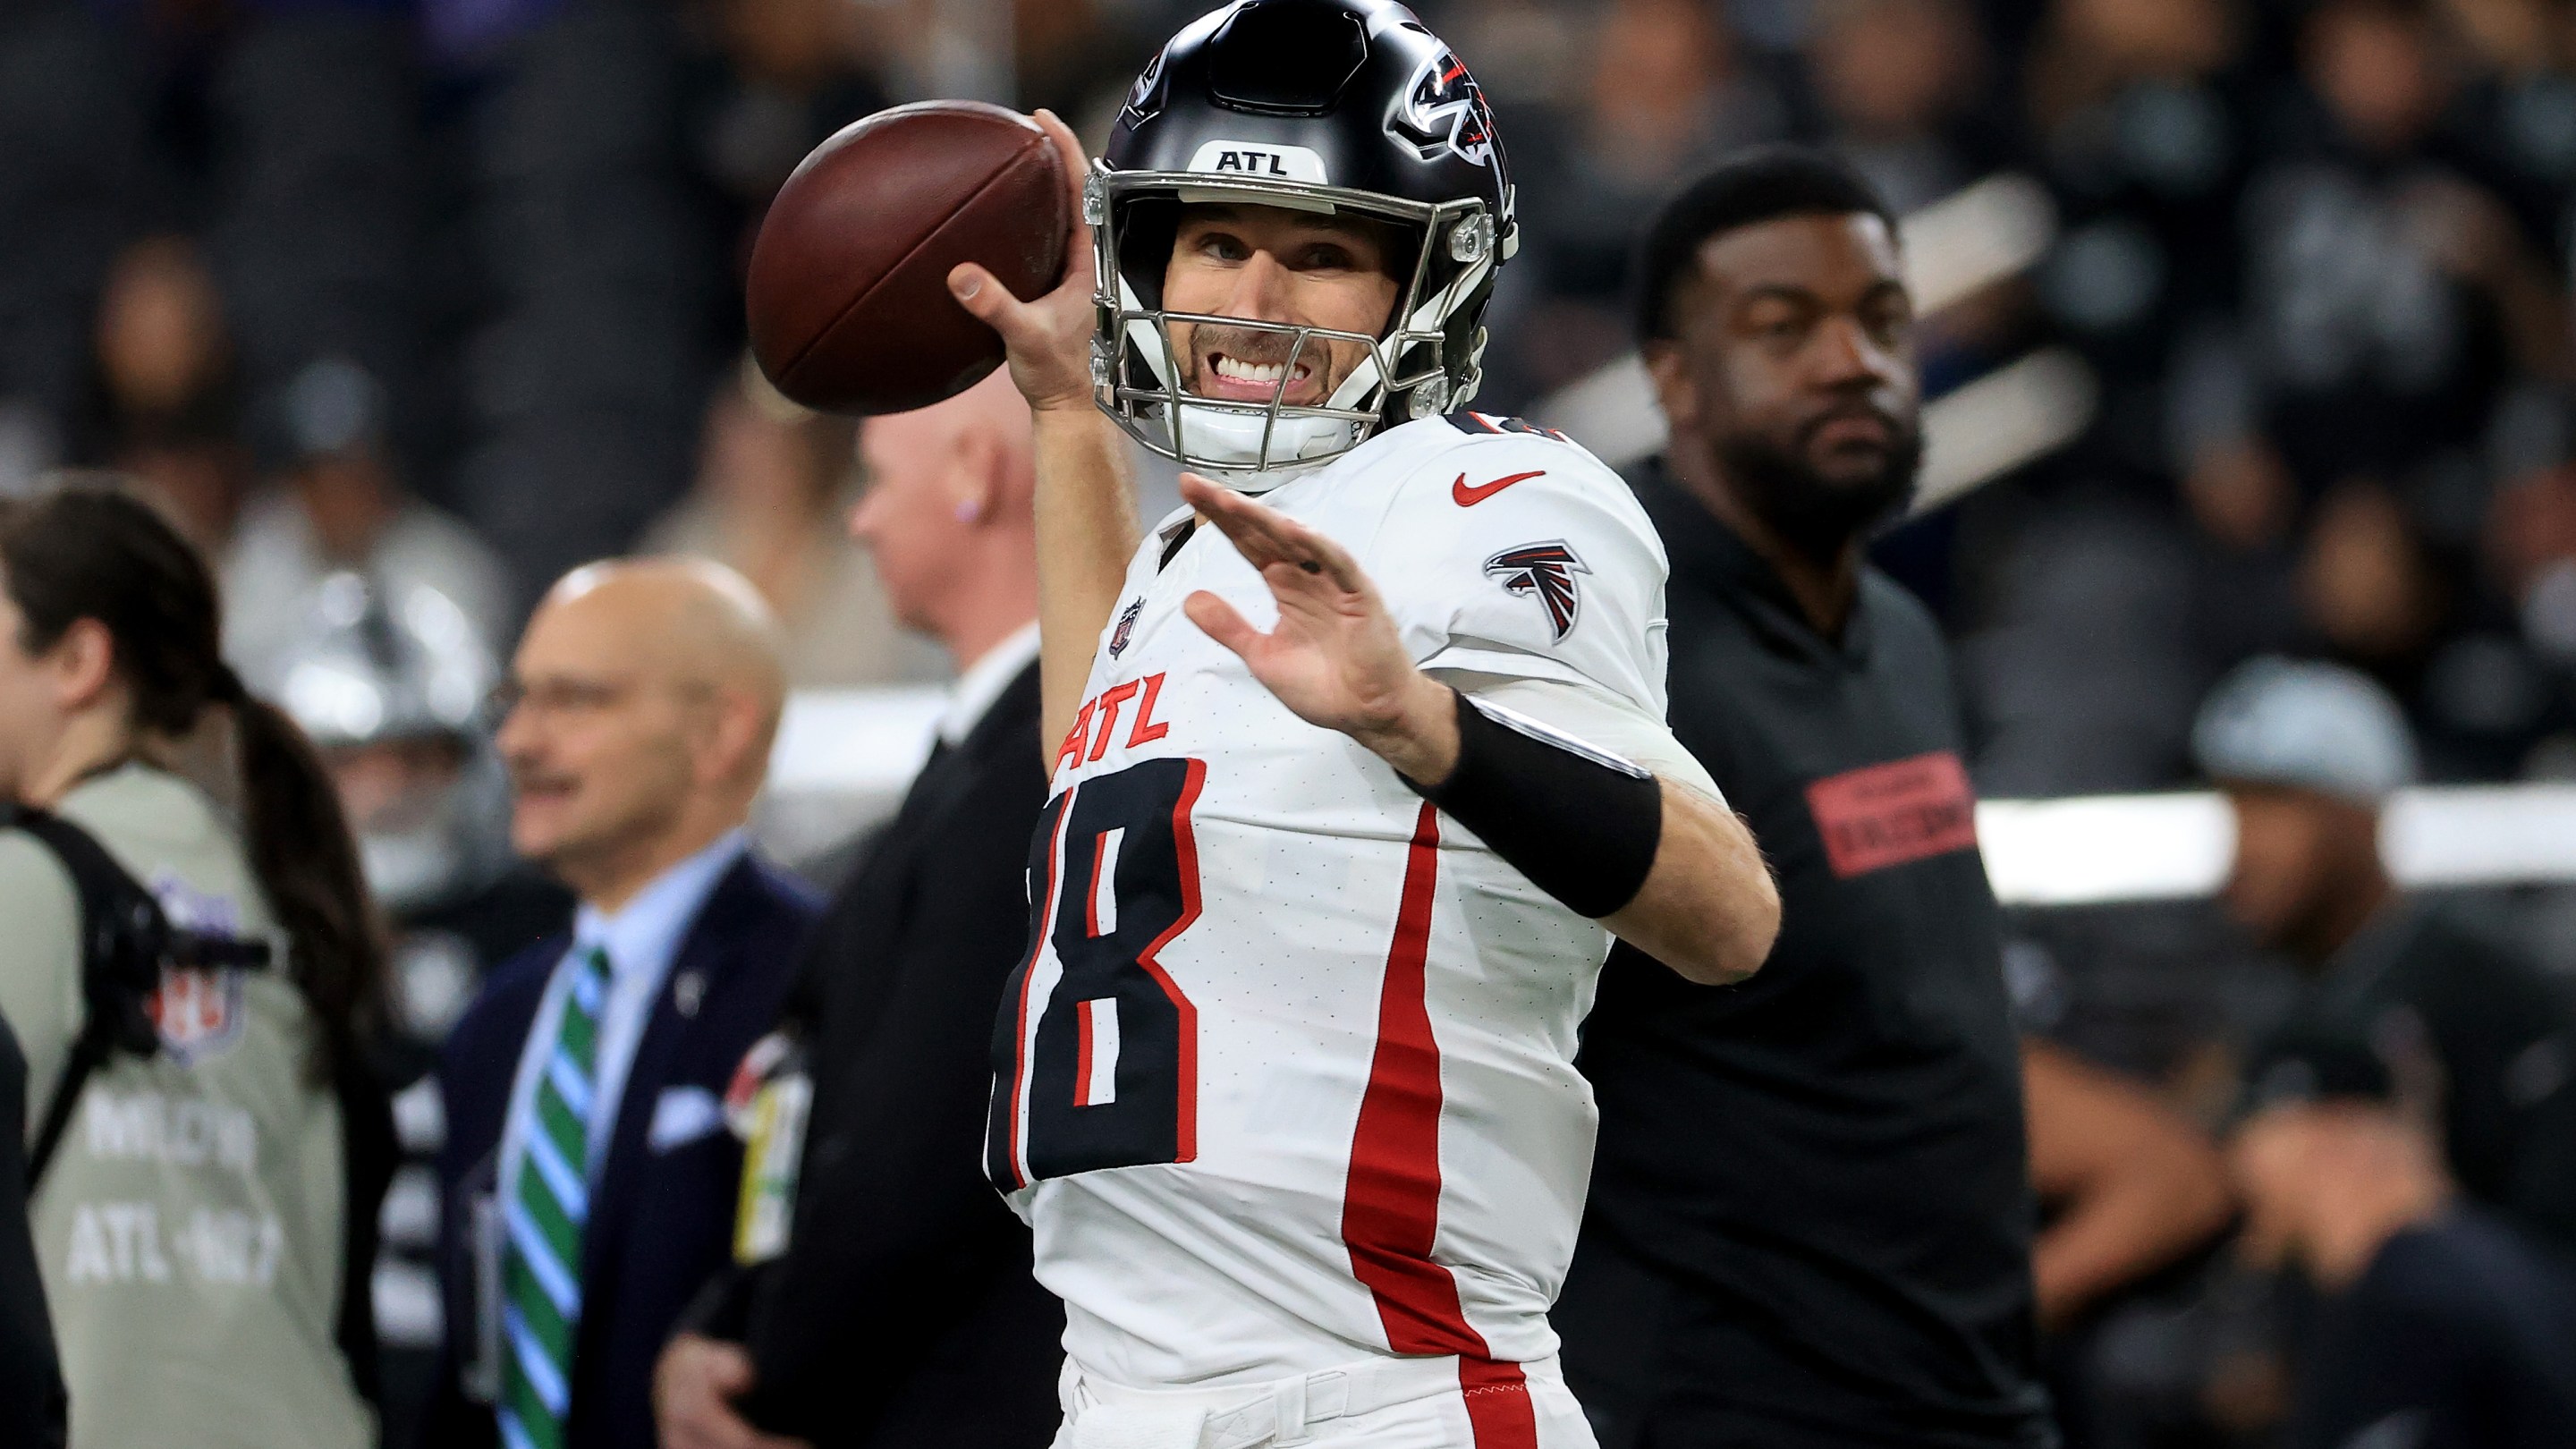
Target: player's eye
point(1219, 246)
point(1324, 257)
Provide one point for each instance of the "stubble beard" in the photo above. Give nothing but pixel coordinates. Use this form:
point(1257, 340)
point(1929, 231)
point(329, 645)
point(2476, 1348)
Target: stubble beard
point(1257, 345)
point(1817, 516)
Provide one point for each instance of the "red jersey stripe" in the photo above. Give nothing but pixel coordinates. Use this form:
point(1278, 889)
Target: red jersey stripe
point(1391, 1203)
point(1082, 1052)
point(1499, 1411)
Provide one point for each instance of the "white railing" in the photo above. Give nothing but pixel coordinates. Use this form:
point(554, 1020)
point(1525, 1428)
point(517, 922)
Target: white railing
point(844, 758)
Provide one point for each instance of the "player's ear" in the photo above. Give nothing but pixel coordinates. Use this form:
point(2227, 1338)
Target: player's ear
point(1673, 391)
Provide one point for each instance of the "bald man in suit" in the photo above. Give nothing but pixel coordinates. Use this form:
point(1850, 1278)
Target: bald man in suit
point(589, 1179)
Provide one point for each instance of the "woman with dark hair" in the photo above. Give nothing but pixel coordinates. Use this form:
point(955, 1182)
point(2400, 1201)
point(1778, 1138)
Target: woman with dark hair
point(204, 1224)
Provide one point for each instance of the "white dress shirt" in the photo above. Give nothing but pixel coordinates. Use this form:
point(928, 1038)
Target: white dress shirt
point(640, 939)
point(982, 682)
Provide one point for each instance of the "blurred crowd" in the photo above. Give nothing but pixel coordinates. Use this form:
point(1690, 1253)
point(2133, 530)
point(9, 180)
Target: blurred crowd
point(2315, 256)
point(451, 285)
point(404, 307)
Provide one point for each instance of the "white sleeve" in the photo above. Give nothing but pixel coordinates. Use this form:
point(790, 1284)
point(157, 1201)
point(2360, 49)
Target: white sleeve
point(1597, 718)
point(1555, 574)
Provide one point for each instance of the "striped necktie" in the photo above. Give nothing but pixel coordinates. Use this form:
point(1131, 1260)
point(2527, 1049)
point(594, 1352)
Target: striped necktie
point(541, 1268)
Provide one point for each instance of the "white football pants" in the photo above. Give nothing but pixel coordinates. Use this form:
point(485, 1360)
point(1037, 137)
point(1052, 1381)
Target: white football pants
point(1384, 1403)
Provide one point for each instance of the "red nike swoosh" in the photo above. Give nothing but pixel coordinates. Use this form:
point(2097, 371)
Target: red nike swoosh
point(1469, 497)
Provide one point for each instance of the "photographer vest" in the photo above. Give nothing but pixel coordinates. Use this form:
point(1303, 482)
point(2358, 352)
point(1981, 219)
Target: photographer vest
point(191, 1225)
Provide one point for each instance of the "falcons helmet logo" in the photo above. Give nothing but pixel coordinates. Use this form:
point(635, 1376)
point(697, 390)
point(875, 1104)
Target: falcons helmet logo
point(1546, 571)
point(1444, 110)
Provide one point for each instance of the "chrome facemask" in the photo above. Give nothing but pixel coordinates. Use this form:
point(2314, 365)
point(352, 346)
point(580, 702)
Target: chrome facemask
point(1406, 373)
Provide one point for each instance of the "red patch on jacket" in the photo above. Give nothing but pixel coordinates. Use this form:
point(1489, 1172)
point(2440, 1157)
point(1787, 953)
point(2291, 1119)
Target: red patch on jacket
point(1883, 815)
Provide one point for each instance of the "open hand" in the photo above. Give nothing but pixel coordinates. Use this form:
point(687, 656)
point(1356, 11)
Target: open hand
point(1334, 658)
point(694, 1386)
point(1049, 337)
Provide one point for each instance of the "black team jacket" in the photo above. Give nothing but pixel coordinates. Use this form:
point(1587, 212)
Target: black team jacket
point(1810, 1215)
point(902, 1312)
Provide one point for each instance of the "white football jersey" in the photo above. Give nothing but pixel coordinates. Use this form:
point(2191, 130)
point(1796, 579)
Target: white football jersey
point(1287, 1077)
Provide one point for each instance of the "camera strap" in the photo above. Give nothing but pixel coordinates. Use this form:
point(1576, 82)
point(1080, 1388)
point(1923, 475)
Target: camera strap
point(125, 940)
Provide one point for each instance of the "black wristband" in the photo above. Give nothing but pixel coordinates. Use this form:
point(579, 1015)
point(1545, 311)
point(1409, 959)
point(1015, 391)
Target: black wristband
point(1581, 824)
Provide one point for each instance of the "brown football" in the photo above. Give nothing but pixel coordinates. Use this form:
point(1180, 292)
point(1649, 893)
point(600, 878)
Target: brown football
point(848, 297)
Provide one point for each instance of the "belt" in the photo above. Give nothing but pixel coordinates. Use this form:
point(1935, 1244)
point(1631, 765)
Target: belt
point(1282, 1412)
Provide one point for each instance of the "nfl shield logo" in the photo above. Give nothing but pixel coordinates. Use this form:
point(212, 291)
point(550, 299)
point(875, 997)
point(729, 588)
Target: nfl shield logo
point(1126, 627)
point(198, 1013)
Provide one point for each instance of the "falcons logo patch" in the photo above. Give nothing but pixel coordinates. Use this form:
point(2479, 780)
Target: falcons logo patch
point(1546, 572)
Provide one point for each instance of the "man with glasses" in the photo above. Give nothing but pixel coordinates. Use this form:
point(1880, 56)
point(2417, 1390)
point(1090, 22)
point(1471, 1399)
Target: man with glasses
point(588, 1179)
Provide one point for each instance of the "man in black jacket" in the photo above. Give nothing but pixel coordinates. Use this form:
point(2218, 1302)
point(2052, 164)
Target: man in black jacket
point(901, 1311)
point(1810, 1215)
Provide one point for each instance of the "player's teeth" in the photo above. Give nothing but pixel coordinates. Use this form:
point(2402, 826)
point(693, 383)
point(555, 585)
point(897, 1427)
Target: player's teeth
point(1250, 371)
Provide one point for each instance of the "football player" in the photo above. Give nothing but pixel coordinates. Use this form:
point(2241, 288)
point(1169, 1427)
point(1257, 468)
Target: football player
point(1362, 763)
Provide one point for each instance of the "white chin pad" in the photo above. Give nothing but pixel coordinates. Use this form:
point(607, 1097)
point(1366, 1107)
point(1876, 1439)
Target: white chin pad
point(1230, 438)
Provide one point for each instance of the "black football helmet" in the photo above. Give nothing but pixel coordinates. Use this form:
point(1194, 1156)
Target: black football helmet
point(1312, 105)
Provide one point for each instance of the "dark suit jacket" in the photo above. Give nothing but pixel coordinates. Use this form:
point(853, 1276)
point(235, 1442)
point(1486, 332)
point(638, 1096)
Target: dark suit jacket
point(660, 1222)
point(903, 1312)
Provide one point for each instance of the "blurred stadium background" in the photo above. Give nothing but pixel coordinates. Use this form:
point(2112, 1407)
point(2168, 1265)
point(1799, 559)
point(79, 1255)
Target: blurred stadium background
point(2249, 331)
